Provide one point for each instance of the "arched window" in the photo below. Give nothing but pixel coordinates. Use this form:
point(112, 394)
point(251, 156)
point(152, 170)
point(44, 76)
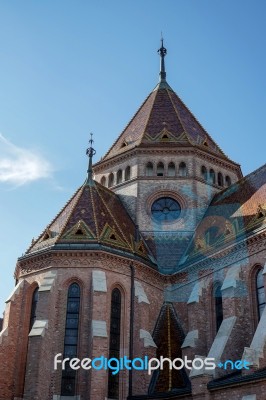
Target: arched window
point(220, 179)
point(160, 169)
point(171, 169)
point(119, 176)
point(212, 176)
point(111, 180)
point(182, 170)
point(103, 181)
point(114, 343)
point(34, 301)
point(218, 306)
point(228, 181)
point(71, 339)
point(127, 173)
point(260, 292)
point(149, 169)
point(204, 173)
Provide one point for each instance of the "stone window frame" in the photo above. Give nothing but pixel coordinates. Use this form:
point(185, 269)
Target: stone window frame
point(124, 317)
point(182, 169)
point(119, 176)
point(147, 166)
point(253, 293)
point(160, 167)
point(103, 180)
point(167, 193)
point(213, 317)
point(127, 173)
point(111, 180)
point(65, 286)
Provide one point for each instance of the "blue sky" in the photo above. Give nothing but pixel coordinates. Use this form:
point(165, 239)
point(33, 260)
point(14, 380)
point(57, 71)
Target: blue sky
point(71, 67)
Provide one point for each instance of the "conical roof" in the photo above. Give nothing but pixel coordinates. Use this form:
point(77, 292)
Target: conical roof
point(161, 120)
point(93, 216)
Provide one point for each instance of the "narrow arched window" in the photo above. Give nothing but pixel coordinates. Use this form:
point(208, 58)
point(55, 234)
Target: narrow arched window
point(160, 169)
point(260, 292)
point(111, 180)
point(119, 176)
point(218, 307)
point(114, 343)
point(71, 339)
point(212, 176)
point(220, 179)
point(171, 169)
point(204, 173)
point(182, 170)
point(103, 181)
point(228, 180)
point(127, 173)
point(34, 302)
point(149, 169)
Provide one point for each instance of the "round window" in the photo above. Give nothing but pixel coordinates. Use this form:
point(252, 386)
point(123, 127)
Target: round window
point(165, 209)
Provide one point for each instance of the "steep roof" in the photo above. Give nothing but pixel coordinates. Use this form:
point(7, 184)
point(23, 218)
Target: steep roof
point(233, 213)
point(94, 215)
point(163, 119)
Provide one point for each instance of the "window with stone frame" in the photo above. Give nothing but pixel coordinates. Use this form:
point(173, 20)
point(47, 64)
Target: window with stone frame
point(149, 169)
point(111, 180)
point(34, 302)
point(171, 169)
point(260, 292)
point(160, 169)
point(182, 169)
point(119, 176)
point(114, 342)
point(68, 384)
point(218, 302)
point(127, 173)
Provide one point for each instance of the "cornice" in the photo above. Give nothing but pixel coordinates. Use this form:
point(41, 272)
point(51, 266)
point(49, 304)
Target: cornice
point(210, 157)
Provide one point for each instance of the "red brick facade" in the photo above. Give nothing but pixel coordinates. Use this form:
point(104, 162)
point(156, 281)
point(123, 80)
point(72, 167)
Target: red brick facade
point(166, 273)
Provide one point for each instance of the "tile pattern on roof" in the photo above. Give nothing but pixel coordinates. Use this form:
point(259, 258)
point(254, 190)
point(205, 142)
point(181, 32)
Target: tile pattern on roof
point(94, 215)
point(233, 213)
point(163, 111)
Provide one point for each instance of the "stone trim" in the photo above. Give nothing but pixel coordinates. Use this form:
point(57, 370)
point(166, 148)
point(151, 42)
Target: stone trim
point(99, 281)
point(3, 333)
point(39, 327)
point(231, 278)
point(99, 329)
point(190, 339)
point(148, 340)
point(47, 281)
point(15, 291)
point(253, 353)
point(140, 293)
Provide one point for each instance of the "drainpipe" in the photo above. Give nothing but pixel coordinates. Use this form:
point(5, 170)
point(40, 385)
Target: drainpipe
point(131, 332)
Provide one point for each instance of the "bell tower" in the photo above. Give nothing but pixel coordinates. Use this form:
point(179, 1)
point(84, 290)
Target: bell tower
point(166, 168)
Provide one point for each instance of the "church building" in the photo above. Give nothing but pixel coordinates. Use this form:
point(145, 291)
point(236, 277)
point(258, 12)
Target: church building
point(160, 254)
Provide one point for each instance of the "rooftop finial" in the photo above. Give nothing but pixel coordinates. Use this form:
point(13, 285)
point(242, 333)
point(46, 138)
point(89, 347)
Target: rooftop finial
point(162, 52)
point(90, 153)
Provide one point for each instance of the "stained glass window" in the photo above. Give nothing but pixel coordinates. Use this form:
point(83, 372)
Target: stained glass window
point(114, 345)
point(71, 339)
point(165, 209)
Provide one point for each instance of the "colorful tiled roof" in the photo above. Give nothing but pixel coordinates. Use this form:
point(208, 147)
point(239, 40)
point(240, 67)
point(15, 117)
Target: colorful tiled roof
point(94, 215)
point(163, 119)
point(233, 213)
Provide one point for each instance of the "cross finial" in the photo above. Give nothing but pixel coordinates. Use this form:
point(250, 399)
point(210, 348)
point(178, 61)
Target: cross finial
point(162, 52)
point(90, 153)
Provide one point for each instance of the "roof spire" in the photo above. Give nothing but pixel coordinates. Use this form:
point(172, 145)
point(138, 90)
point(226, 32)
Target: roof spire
point(162, 52)
point(90, 153)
